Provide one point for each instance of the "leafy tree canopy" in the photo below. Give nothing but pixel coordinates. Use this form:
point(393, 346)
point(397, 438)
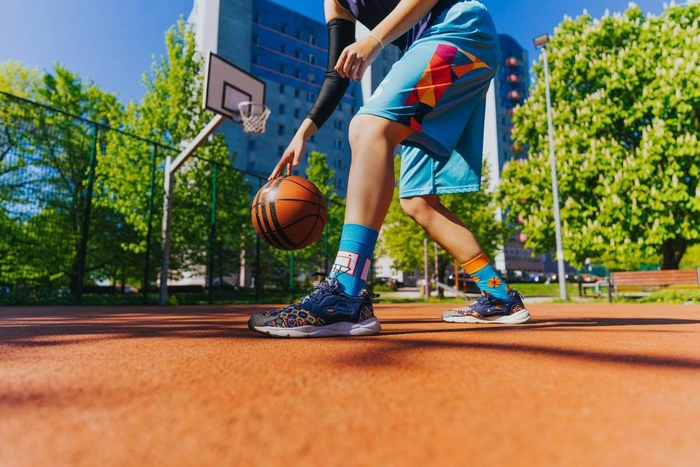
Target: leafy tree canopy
point(626, 105)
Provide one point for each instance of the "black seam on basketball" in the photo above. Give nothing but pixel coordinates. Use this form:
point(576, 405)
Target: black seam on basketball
point(295, 222)
point(318, 215)
point(297, 183)
point(268, 230)
point(297, 201)
point(273, 216)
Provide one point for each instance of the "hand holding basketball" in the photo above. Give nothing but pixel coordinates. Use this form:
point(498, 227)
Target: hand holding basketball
point(289, 213)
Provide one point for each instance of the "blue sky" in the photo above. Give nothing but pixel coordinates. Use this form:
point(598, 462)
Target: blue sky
point(112, 42)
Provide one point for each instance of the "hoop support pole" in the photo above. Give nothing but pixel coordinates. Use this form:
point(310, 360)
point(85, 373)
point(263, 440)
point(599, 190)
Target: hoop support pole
point(171, 167)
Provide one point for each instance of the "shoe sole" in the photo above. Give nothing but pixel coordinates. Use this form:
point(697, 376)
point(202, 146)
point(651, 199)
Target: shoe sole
point(522, 316)
point(368, 327)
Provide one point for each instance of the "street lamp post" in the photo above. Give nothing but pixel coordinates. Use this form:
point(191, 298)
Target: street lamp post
point(541, 43)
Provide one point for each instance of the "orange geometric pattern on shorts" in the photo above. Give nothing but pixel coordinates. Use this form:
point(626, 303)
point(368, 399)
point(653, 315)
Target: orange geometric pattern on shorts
point(438, 76)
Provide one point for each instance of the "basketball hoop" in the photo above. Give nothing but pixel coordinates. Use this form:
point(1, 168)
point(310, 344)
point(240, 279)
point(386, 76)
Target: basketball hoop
point(253, 116)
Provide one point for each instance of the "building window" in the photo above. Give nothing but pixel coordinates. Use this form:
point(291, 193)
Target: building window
point(254, 59)
point(313, 139)
point(338, 124)
point(338, 144)
point(283, 48)
point(312, 39)
point(281, 109)
point(297, 73)
point(312, 59)
point(256, 39)
point(352, 110)
point(298, 34)
point(283, 68)
point(311, 77)
point(339, 183)
point(256, 18)
point(310, 97)
point(283, 28)
point(297, 113)
point(281, 88)
point(297, 53)
point(297, 92)
point(340, 106)
point(251, 145)
point(280, 151)
point(280, 130)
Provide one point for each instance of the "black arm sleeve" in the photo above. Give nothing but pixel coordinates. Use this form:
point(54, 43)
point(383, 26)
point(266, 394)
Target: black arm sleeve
point(341, 33)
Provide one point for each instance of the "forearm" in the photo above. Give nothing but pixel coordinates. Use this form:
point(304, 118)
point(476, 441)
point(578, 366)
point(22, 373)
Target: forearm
point(307, 129)
point(406, 15)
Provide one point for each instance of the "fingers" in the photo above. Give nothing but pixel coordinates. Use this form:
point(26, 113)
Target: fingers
point(361, 71)
point(341, 63)
point(348, 65)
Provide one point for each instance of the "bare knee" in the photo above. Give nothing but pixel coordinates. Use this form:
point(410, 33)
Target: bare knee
point(367, 131)
point(420, 208)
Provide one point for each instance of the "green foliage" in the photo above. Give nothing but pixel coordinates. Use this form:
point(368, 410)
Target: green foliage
point(691, 259)
point(626, 105)
point(170, 113)
point(402, 239)
point(44, 163)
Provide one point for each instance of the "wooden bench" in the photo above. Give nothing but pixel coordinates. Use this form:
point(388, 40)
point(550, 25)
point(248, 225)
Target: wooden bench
point(653, 279)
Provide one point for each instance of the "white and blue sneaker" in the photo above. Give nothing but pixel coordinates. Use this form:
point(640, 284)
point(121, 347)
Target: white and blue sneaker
point(489, 309)
point(325, 312)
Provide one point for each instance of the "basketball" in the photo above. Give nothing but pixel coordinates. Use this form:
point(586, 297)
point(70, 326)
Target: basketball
point(289, 213)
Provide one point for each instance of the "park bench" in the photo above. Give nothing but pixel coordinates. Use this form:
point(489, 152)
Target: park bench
point(652, 279)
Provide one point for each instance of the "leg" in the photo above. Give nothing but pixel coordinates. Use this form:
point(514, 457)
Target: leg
point(448, 231)
point(371, 183)
point(443, 226)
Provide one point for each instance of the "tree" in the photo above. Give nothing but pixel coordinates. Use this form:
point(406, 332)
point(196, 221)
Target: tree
point(170, 113)
point(402, 238)
point(44, 166)
point(626, 105)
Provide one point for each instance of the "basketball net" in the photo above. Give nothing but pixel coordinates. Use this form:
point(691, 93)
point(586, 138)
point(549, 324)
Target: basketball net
point(253, 116)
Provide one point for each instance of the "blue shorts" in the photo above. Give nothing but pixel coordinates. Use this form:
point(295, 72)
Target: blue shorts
point(439, 88)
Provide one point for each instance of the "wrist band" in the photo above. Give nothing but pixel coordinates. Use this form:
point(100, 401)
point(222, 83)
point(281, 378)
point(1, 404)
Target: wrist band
point(378, 39)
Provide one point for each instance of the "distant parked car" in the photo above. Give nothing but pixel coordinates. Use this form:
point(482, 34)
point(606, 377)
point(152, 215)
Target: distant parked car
point(466, 283)
point(517, 276)
point(128, 289)
point(538, 277)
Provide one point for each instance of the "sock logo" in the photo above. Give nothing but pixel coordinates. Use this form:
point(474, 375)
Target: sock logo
point(347, 263)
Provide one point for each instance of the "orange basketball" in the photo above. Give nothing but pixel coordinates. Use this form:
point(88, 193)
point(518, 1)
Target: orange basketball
point(289, 213)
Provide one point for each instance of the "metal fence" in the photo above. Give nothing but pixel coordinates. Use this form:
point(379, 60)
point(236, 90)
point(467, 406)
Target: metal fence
point(80, 218)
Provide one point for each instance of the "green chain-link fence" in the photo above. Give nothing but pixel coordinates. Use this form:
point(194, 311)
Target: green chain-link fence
point(75, 228)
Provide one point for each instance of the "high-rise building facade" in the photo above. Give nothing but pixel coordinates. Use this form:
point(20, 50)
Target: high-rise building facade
point(289, 52)
point(508, 90)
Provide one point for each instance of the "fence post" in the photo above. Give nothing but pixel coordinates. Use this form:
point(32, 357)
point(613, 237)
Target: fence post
point(167, 225)
point(325, 242)
point(82, 258)
point(291, 275)
point(149, 231)
point(212, 230)
point(258, 277)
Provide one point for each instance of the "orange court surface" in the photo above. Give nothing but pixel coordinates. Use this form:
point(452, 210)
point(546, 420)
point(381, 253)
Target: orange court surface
point(582, 384)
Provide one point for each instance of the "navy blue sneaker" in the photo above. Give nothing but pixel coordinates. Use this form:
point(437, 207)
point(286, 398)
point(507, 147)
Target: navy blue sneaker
point(489, 309)
point(325, 312)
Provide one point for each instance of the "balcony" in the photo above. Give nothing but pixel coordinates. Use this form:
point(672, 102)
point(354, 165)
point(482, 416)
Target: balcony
point(515, 96)
point(512, 62)
point(513, 79)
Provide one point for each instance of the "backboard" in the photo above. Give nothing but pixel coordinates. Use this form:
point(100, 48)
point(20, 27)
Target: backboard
point(226, 86)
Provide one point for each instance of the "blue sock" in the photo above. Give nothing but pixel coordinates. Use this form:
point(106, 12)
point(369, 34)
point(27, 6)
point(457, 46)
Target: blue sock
point(352, 264)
